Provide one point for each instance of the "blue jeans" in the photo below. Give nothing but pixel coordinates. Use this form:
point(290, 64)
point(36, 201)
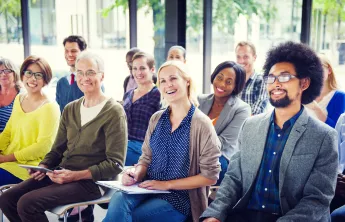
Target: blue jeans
point(338, 215)
point(8, 178)
point(133, 152)
point(224, 163)
point(141, 207)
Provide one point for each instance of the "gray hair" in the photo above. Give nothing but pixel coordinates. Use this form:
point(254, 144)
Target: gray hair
point(10, 65)
point(93, 57)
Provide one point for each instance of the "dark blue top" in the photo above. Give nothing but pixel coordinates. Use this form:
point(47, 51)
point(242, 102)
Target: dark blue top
point(66, 93)
point(5, 113)
point(139, 113)
point(170, 157)
point(335, 108)
point(265, 196)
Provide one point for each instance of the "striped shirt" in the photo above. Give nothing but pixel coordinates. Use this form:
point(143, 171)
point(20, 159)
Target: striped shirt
point(170, 157)
point(255, 94)
point(5, 113)
point(139, 113)
point(265, 196)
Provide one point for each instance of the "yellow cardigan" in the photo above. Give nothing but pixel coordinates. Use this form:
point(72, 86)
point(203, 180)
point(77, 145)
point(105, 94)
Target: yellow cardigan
point(29, 136)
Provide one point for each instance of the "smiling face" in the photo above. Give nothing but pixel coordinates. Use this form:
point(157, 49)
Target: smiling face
point(71, 52)
point(141, 71)
point(246, 58)
point(89, 79)
point(224, 82)
point(172, 86)
point(176, 54)
point(6, 79)
point(31, 84)
point(287, 93)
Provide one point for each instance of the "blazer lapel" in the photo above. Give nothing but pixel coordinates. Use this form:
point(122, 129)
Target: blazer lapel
point(296, 132)
point(225, 115)
point(206, 105)
point(260, 142)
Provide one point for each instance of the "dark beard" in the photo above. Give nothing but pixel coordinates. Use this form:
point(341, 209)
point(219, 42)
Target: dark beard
point(280, 103)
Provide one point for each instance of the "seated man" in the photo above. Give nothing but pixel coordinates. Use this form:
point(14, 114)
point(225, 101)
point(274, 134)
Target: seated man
point(286, 166)
point(91, 139)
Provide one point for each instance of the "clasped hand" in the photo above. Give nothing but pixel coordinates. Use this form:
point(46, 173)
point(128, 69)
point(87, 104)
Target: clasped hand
point(57, 176)
point(62, 176)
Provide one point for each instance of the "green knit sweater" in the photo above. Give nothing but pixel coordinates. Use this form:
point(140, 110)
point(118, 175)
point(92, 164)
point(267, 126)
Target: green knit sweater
point(96, 146)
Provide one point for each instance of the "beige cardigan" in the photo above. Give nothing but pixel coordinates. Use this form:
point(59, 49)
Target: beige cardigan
point(203, 154)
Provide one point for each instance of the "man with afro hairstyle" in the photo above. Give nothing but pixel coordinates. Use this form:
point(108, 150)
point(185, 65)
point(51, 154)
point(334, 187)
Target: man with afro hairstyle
point(286, 166)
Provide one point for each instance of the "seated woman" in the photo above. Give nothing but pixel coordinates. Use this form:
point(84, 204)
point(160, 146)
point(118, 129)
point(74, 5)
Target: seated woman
point(9, 88)
point(225, 109)
point(31, 129)
point(177, 52)
point(91, 141)
point(140, 104)
point(331, 102)
point(180, 154)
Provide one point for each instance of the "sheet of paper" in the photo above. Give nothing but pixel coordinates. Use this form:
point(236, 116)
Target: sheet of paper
point(133, 189)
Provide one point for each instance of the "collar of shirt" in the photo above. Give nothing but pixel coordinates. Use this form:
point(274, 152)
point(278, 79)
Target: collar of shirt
point(253, 76)
point(187, 118)
point(69, 77)
point(289, 122)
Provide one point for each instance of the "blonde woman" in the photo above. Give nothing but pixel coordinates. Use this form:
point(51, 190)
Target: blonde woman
point(9, 88)
point(331, 102)
point(179, 154)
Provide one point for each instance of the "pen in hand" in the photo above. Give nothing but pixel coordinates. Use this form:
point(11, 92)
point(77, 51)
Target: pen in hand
point(124, 171)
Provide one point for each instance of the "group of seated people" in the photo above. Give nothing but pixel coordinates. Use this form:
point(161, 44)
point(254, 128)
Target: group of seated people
point(281, 165)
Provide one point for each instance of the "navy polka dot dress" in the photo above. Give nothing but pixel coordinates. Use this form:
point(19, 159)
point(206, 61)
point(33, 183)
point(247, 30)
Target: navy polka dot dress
point(170, 157)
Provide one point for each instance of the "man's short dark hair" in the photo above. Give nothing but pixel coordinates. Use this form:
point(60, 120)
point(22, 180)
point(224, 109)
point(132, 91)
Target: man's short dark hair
point(239, 71)
point(306, 63)
point(78, 39)
point(132, 51)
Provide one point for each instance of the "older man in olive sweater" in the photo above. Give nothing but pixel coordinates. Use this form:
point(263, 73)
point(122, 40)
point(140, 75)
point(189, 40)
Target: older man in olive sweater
point(91, 139)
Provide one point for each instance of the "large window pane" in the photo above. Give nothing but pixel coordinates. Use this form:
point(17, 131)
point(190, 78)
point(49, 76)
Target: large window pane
point(151, 29)
point(52, 21)
point(328, 34)
point(11, 37)
point(265, 23)
point(194, 41)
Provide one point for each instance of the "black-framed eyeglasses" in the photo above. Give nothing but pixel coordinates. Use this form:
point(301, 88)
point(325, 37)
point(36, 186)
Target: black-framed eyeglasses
point(38, 75)
point(284, 77)
point(88, 73)
point(6, 71)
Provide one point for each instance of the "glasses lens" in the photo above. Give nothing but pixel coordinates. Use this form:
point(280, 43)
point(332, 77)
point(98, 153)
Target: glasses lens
point(7, 71)
point(284, 78)
point(38, 75)
point(80, 73)
point(269, 79)
point(28, 73)
point(90, 73)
